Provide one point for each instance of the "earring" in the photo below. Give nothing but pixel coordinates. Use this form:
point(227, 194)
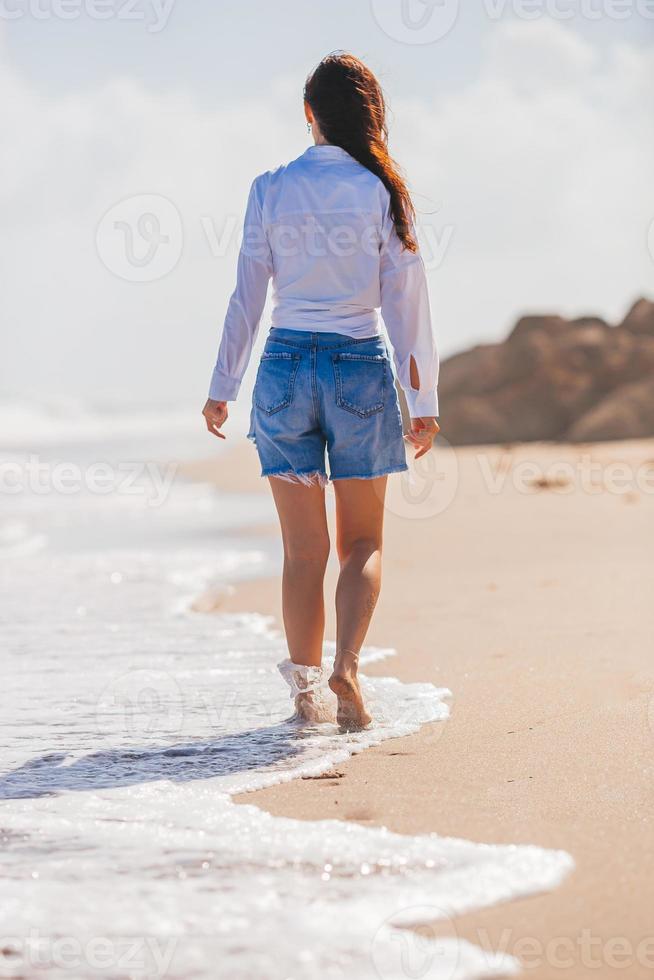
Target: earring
point(308, 127)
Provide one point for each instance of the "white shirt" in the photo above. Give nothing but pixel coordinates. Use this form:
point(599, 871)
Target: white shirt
point(320, 227)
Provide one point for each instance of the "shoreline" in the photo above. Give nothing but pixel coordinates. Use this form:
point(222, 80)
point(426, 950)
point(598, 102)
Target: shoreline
point(533, 609)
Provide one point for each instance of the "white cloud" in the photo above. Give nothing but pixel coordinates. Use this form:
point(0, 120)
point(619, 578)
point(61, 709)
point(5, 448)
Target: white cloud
point(73, 158)
point(539, 52)
point(545, 175)
point(542, 165)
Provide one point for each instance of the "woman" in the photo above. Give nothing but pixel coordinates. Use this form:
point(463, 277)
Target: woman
point(334, 229)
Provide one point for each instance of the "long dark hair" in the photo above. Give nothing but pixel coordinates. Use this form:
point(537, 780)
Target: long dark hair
point(348, 104)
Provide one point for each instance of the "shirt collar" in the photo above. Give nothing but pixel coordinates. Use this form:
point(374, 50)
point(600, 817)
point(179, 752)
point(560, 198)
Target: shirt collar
point(327, 151)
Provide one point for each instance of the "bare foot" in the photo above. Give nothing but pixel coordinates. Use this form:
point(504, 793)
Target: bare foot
point(307, 693)
point(311, 707)
point(351, 712)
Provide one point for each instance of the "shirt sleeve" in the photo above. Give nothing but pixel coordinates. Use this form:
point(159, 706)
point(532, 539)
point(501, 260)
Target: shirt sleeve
point(407, 315)
point(255, 267)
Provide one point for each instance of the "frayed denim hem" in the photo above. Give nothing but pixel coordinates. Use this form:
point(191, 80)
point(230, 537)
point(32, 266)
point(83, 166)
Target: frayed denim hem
point(402, 468)
point(310, 478)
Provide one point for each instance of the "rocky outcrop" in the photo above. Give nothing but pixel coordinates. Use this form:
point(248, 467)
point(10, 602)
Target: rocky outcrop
point(554, 379)
point(626, 413)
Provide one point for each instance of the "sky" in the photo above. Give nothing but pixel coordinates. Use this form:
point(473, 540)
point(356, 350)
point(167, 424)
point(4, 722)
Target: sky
point(133, 129)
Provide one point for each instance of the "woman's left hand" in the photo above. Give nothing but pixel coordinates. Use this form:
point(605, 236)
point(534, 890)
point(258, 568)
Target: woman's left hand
point(422, 434)
point(215, 414)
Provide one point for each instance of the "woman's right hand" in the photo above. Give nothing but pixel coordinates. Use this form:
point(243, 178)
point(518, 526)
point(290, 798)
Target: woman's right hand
point(215, 414)
point(422, 434)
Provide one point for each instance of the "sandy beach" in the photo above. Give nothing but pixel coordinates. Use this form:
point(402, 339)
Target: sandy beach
point(517, 577)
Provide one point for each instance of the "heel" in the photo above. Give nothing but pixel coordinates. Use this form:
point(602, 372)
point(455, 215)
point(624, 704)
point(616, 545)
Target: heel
point(351, 713)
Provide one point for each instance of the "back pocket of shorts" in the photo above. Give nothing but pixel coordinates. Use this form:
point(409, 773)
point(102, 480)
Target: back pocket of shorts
point(360, 383)
point(273, 389)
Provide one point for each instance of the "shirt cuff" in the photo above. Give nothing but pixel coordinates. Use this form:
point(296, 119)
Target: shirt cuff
point(422, 404)
point(223, 388)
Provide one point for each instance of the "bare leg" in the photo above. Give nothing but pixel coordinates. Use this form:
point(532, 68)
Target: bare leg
point(359, 523)
point(303, 522)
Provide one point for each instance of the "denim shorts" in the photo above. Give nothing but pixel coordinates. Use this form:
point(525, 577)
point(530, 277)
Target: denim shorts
point(326, 391)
